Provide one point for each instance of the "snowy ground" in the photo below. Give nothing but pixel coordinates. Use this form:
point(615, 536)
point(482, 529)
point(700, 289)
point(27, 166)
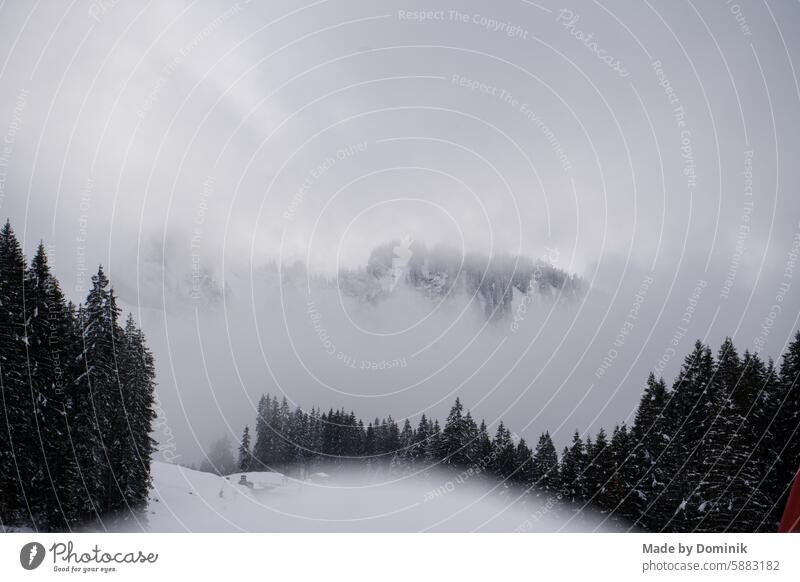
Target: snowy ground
point(187, 500)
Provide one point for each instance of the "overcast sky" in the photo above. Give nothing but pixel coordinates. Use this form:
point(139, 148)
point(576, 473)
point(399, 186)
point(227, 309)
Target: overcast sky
point(645, 144)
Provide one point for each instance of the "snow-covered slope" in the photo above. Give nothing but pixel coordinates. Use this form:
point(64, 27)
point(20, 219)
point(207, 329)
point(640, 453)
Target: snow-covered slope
point(187, 500)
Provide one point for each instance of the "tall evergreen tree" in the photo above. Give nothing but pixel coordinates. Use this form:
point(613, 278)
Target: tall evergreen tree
point(622, 480)
point(48, 333)
point(573, 466)
point(504, 455)
point(17, 444)
point(652, 432)
point(545, 466)
point(483, 448)
point(263, 444)
point(454, 443)
point(691, 405)
point(102, 339)
point(137, 379)
point(524, 473)
point(785, 431)
point(421, 438)
point(83, 429)
point(599, 468)
point(433, 448)
point(245, 454)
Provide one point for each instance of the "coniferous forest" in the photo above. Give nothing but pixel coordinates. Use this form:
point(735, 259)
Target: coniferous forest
point(716, 452)
point(77, 400)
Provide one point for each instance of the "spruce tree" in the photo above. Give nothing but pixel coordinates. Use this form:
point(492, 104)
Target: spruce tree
point(544, 471)
point(785, 431)
point(406, 444)
point(245, 455)
point(137, 379)
point(454, 441)
point(18, 445)
point(573, 466)
point(524, 472)
point(483, 448)
point(102, 339)
point(83, 429)
point(421, 438)
point(651, 434)
point(503, 453)
point(48, 332)
point(621, 482)
point(263, 444)
point(691, 406)
point(433, 448)
point(599, 467)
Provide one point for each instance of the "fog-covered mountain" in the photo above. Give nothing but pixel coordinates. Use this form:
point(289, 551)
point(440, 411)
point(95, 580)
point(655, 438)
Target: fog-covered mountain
point(443, 272)
point(166, 279)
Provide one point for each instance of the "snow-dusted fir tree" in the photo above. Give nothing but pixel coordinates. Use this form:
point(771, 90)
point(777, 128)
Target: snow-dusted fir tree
point(48, 331)
point(599, 467)
point(245, 454)
point(690, 408)
point(457, 438)
point(571, 472)
point(17, 440)
point(503, 452)
point(262, 449)
point(651, 434)
point(102, 340)
point(621, 482)
point(483, 448)
point(524, 473)
point(137, 379)
point(785, 433)
point(545, 466)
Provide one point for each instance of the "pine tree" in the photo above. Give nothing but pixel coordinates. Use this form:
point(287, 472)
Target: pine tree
point(263, 445)
point(102, 339)
point(652, 432)
point(471, 434)
point(48, 332)
point(421, 438)
point(406, 444)
point(599, 468)
point(785, 431)
point(621, 482)
point(17, 445)
point(753, 400)
point(454, 443)
point(504, 453)
point(83, 429)
point(525, 472)
point(137, 379)
point(691, 406)
point(573, 465)
point(391, 440)
point(433, 448)
point(483, 448)
point(545, 466)
point(245, 455)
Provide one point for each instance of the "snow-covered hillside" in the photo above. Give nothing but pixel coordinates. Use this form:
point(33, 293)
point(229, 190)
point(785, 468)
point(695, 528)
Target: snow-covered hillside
point(187, 500)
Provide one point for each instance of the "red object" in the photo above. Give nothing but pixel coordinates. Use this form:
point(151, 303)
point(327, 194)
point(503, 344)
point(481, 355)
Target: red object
point(790, 522)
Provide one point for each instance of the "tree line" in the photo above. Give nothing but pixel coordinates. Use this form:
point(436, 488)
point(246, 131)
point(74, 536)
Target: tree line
point(77, 399)
point(715, 452)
